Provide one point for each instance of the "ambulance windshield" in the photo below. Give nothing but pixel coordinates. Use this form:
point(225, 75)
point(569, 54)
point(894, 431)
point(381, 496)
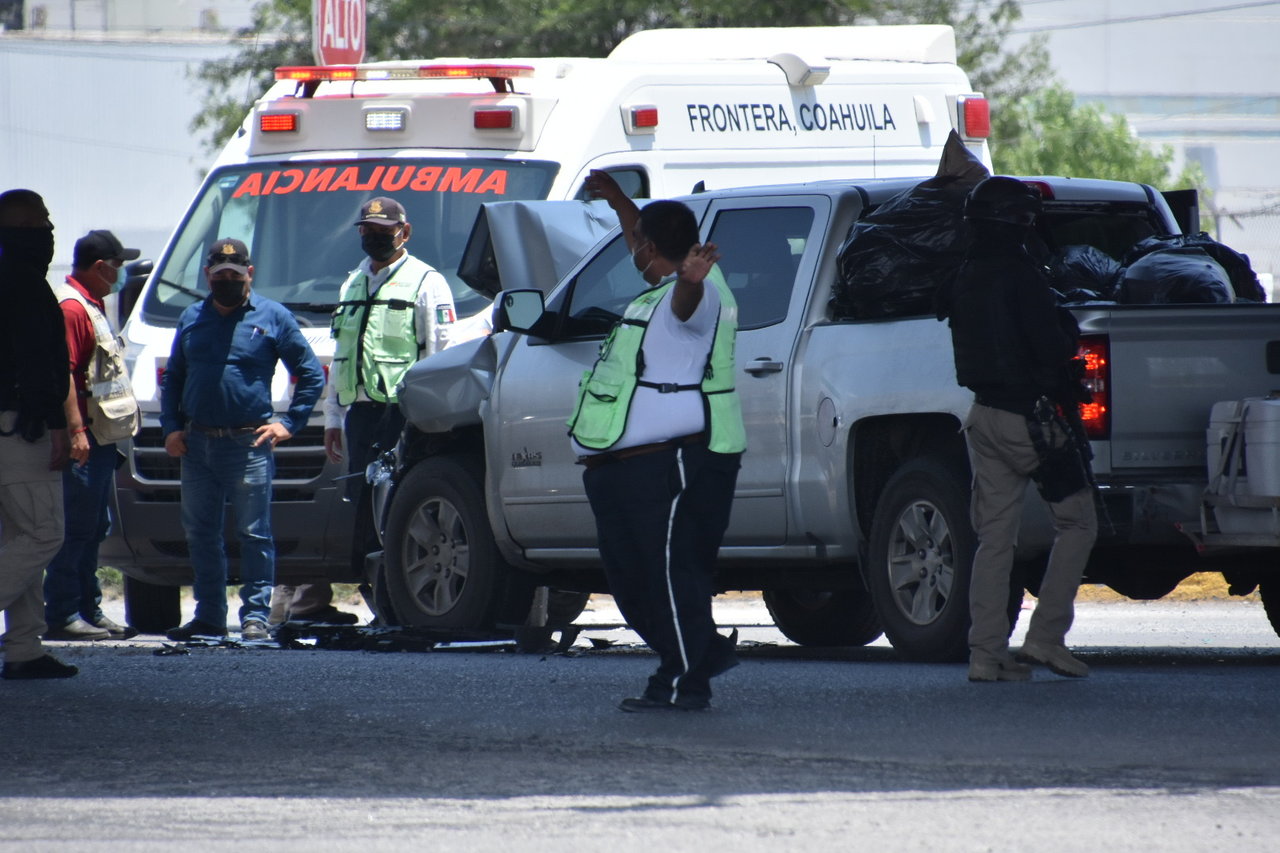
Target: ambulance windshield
point(298, 220)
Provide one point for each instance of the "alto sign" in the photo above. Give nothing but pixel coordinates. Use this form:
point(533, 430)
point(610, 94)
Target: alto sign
point(337, 31)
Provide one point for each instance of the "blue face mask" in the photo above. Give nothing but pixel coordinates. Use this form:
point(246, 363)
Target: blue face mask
point(121, 275)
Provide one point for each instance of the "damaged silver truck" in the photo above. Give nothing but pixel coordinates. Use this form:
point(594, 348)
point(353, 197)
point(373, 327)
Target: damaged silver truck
point(851, 511)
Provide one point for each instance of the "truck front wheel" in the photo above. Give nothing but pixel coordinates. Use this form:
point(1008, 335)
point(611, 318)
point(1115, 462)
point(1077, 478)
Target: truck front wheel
point(920, 558)
point(443, 569)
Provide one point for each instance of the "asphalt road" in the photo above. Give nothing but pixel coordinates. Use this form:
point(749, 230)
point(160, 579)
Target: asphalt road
point(1172, 744)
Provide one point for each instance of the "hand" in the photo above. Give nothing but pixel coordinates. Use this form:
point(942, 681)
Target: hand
point(701, 258)
point(59, 448)
point(600, 184)
point(79, 446)
point(271, 435)
point(175, 443)
point(333, 444)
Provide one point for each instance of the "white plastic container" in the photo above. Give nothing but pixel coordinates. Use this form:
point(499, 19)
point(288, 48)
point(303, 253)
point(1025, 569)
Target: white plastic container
point(1224, 418)
point(1262, 446)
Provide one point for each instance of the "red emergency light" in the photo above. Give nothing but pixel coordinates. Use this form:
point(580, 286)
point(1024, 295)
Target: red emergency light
point(476, 72)
point(315, 73)
point(494, 119)
point(1096, 414)
point(321, 73)
point(975, 118)
point(278, 122)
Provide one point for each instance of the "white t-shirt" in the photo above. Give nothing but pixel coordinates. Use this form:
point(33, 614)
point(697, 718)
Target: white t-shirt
point(674, 352)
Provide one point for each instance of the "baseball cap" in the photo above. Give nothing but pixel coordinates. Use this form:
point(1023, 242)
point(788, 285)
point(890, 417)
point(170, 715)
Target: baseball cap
point(101, 246)
point(381, 211)
point(229, 254)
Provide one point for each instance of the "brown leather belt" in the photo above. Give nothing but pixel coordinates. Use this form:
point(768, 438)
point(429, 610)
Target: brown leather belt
point(595, 460)
point(224, 432)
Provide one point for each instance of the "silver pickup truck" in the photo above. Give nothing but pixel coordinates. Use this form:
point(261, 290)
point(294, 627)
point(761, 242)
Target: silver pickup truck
point(851, 512)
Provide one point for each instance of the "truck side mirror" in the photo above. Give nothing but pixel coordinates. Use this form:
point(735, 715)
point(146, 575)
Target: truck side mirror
point(135, 273)
point(519, 311)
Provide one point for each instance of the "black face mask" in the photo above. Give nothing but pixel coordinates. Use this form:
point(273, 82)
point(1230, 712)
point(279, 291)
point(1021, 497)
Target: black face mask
point(28, 250)
point(228, 292)
point(378, 245)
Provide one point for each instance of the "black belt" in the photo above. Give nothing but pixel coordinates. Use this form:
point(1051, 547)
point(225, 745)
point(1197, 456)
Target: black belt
point(595, 460)
point(224, 432)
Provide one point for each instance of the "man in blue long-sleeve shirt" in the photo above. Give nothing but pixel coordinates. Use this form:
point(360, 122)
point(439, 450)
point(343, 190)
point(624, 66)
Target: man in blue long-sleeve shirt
point(215, 411)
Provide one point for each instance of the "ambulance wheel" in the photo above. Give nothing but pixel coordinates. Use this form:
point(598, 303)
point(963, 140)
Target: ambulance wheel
point(443, 569)
point(152, 608)
point(845, 617)
point(1270, 591)
point(920, 559)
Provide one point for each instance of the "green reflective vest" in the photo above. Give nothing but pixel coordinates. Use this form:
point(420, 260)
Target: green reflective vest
point(606, 391)
point(376, 340)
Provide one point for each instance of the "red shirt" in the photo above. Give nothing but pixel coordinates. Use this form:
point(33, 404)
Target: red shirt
point(80, 341)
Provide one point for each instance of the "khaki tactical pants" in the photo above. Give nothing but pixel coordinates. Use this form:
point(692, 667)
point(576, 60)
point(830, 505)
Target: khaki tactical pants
point(1003, 457)
point(31, 526)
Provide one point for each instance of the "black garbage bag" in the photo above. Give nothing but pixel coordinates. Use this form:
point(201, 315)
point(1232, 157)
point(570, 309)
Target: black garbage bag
point(1176, 275)
point(1084, 273)
point(1244, 282)
point(897, 256)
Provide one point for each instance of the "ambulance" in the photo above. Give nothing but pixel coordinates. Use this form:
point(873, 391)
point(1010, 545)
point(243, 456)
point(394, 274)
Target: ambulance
point(668, 112)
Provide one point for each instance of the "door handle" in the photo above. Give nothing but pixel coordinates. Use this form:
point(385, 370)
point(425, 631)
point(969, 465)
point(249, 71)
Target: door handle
point(762, 366)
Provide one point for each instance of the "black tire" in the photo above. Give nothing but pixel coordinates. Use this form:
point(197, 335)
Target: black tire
point(443, 569)
point(1270, 592)
point(845, 617)
point(152, 608)
point(920, 559)
point(564, 606)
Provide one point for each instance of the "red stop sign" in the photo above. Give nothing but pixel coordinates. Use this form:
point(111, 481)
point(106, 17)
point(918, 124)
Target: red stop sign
point(337, 31)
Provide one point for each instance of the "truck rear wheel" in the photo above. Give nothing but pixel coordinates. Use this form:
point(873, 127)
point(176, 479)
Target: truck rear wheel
point(920, 559)
point(443, 569)
point(1270, 591)
point(845, 617)
point(152, 608)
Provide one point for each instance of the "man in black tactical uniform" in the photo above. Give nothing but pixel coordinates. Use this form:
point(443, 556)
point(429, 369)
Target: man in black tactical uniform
point(1013, 348)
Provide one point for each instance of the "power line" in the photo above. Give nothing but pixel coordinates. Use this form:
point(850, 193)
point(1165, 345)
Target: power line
point(1138, 19)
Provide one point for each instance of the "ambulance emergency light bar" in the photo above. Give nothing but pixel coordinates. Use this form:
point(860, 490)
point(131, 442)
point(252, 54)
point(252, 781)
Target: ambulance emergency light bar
point(322, 73)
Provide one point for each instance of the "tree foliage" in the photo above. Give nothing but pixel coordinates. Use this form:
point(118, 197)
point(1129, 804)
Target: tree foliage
point(1050, 133)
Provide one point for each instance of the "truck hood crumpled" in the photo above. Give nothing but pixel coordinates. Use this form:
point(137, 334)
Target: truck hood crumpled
point(445, 389)
point(531, 244)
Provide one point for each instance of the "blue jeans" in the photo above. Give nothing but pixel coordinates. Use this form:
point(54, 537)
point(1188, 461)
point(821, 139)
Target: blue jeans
point(216, 471)
point(71, 587)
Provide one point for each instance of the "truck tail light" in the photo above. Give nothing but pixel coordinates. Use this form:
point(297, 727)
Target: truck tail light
point(278, 122)
point(1096, 414)
point(975, 117)
point(293, 380)
point(159, 377)
point(494, 119)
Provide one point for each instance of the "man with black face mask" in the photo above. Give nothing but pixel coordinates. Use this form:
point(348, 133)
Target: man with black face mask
point(215, 411)
point(33, 434)
point(393, 310)
point(1012, 348)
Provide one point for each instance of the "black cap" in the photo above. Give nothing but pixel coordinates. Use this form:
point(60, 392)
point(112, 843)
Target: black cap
point(381, 211)
point(229, 253)
point(101, 246)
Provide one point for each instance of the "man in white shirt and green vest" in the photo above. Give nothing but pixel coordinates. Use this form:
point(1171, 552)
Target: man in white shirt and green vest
point(658, 427)
point(393, 310)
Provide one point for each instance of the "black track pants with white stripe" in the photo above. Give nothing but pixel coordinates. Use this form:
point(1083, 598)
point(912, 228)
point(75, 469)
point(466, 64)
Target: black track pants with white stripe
point(660, 518)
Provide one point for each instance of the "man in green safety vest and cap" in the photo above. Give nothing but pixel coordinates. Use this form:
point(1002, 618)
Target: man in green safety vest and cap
point(658, 427)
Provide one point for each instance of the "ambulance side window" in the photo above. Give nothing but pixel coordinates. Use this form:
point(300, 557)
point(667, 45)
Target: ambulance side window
point(760, 251)
point(633, 180)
